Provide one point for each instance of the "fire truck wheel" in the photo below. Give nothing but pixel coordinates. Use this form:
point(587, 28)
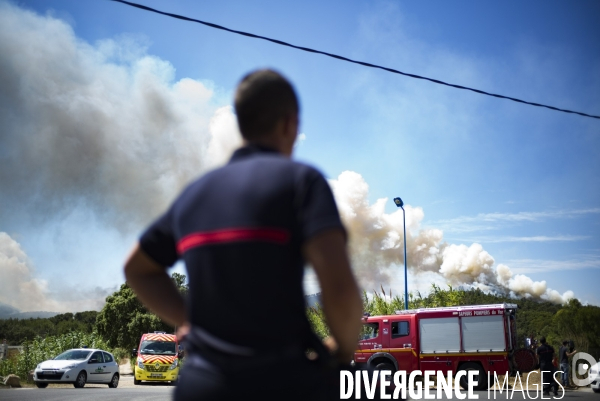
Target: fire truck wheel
point(385, 366)
point(482, 383)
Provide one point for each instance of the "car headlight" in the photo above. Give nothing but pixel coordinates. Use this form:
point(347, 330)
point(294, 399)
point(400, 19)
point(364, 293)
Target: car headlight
point(140, 364)
point(71, 366)
point(173, 365)
point(38, 366)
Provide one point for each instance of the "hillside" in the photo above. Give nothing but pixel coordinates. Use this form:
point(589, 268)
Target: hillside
point(573, 321)
point(10, 312)
point(16, 330)
point(535, 318)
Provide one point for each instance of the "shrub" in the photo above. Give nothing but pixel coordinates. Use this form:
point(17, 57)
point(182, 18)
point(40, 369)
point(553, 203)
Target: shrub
point(41, 349)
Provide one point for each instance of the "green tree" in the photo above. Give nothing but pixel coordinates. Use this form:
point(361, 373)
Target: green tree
point(534, 317)
point(123, 319)
point(316, 318)
point(63, 317)
point(40, 349)
point(88, 318)
point(180, 283)
point(578, 323)
point(15, 331)
point(65, 327)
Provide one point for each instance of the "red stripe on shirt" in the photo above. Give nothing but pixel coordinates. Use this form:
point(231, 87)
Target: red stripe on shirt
point(228, 235)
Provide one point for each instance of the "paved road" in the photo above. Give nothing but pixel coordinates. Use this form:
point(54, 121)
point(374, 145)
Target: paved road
point(93, 392)
point(163, 392)
point(585, 394)
point(571, 395)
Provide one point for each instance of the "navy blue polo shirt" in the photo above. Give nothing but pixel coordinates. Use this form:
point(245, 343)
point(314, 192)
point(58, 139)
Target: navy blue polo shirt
point(239, 229)
point(545, 353)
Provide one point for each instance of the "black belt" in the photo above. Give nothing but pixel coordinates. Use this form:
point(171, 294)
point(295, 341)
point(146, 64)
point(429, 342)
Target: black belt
point(205, 350)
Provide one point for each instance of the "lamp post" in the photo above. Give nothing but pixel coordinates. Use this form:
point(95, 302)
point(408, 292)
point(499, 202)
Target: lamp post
point(399, 203)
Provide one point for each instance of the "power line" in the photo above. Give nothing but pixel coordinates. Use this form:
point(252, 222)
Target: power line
point(307, 49)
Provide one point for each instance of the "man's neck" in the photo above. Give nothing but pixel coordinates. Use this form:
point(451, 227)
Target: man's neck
point(270, 144)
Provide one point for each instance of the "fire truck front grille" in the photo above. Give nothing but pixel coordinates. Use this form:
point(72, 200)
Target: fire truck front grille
point(153, 368)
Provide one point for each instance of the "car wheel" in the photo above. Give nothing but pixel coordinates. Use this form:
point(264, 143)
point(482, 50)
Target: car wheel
point(481, 379)
point(596, 390)
point(80, 380)
point(114, 382)
point(41, 385)
point(136, 381)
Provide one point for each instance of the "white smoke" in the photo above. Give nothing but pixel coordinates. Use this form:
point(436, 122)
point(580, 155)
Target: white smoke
point(19, 287)
point(377, 247)
point(104, 125)
point(107, 127)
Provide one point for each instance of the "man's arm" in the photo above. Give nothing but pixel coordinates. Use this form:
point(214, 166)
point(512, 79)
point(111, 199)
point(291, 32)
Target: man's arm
point(342, 302)
point(147, 278)
point(570, 353)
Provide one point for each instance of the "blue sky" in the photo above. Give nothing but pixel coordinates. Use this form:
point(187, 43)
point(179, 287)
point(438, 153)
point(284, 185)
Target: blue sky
point(488, 182)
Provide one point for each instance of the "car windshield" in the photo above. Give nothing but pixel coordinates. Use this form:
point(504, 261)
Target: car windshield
point(158, 347)
point(73, 355)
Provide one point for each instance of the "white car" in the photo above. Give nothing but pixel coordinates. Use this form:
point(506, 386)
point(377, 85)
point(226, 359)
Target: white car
point(78, 366)
point(595, 372)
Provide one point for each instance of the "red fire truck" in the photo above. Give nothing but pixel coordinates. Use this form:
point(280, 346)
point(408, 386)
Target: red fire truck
point(480, 337)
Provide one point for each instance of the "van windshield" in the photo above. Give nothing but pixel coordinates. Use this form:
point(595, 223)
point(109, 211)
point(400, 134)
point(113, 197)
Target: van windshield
point(153, 347)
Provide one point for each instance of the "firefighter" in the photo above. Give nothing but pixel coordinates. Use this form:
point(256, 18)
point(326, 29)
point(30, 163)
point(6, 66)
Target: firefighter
point(245, 232)
point(545, 354)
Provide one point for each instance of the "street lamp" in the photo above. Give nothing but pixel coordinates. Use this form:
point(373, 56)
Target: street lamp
point(399, 203)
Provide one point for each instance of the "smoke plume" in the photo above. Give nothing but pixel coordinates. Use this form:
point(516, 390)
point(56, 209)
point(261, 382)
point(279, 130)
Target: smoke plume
point(108, 128)
point(102, 125)
point(377, 247)
point(19, 287)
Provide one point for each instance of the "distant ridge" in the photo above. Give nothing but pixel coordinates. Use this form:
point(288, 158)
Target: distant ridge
point(313, 300)
point(10, 312)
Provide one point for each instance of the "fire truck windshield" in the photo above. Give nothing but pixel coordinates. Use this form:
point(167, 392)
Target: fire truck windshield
point(369, 330)
point(150, 347)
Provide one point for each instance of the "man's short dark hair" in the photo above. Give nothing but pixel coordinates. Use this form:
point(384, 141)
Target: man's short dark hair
point(543, 340)
point(262, 98)
point(565, 342)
